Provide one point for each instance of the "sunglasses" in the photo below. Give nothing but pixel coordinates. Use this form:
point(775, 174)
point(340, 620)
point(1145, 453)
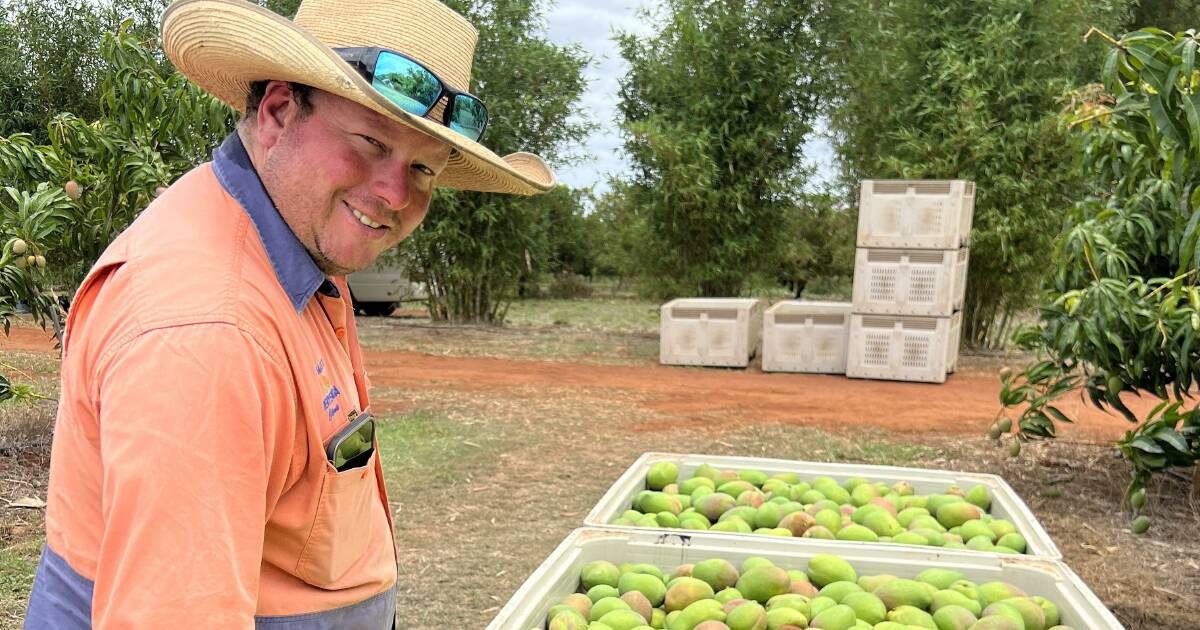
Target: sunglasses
point(416, 89)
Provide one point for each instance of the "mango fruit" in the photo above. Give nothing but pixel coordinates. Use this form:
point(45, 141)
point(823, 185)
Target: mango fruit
point(904, 592)
point(839, 617)
point(719, 573)
point(746, 616)
point(825, 569)
point(685, 591)
point(649, 585)
point(866, 606)
point(661, 474)
point(599, 572)
point(761, 583)
point(954, 618)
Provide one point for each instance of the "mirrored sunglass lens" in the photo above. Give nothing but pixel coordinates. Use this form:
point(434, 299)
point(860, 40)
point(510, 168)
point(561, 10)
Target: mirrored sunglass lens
point(406, 84)
point(470, 116)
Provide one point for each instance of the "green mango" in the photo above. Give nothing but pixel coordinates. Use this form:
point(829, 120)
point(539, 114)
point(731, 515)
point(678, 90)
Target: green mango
point(1013, 541)
point(825, 569)
point(647, 584)
point(685, 591)
point(940, 578)
point(839, 617)
point(912, 616)
point(980, 497)
point(785, 616)
point(839, 590)
point(954, 618)
point(599, 572)
point(904, 592)
point(761, 583)
point(606, 605)
point(661, 474)
point(867, 607)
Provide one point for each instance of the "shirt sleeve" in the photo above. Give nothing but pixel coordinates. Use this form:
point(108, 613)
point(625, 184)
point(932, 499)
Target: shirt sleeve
point(196, 426)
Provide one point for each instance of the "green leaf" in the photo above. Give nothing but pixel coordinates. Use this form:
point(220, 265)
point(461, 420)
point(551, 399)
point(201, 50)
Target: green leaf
point(1163, 121)
point(1146, 444)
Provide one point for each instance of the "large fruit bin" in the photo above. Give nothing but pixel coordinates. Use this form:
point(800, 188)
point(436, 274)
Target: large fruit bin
point(722, 332)
point(915, 214)
point(559, 575)
point(1005, 504)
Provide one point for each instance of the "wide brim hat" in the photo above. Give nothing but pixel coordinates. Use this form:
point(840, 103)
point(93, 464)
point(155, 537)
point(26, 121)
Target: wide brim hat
point(225, 45)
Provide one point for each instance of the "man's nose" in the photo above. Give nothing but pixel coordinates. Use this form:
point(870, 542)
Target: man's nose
point(391, 184)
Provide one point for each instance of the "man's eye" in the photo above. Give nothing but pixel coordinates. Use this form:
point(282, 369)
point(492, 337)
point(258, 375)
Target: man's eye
point(375, 143)
point(424, 169)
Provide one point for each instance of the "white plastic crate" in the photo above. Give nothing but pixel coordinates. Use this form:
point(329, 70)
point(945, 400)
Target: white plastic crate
point(710, 331)
point(902, 347)
point(916, 214)
point(558, 575)
point(910, 281)
point(1006, 503)
point(806, 337)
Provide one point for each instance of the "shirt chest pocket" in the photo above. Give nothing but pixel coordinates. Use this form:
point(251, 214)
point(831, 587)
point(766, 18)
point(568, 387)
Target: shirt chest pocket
point(342, 525)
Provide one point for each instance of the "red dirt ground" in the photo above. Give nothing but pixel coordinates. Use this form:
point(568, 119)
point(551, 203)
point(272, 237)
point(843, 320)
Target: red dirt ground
point(709, 398)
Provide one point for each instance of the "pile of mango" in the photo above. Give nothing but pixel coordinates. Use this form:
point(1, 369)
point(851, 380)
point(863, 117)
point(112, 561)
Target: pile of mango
point(716, 595)
point(748, 501)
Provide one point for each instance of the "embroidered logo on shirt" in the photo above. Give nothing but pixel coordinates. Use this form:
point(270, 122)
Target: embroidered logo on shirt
point(331, 392)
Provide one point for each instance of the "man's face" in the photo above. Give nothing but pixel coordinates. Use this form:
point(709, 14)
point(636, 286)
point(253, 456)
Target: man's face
point(350, 183)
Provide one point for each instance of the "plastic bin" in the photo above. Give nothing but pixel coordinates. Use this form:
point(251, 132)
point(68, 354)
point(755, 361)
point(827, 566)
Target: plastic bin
point(1006, 503)
point(806, 337)
point(903, 347)
point(710, 331)
point(915, 214)
point(558, 576)
point(910, 281)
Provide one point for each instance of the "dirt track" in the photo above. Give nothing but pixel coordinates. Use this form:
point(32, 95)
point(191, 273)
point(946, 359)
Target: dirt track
point(716, 399)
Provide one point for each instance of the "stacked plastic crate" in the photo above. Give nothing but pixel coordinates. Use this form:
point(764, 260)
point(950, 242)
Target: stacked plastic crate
point(910, 276)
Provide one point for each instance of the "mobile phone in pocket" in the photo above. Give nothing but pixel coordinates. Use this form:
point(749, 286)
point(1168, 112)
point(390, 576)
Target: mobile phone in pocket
point(352, 446)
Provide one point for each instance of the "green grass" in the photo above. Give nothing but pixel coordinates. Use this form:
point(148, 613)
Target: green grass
point(424, 449)
point(602, 314)
point(18, 563)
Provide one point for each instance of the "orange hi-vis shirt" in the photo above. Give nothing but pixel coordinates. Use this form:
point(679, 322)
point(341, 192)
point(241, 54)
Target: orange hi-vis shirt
point(189, 485)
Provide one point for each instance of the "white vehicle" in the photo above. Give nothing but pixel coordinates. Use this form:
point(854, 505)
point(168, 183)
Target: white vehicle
point(378, 289)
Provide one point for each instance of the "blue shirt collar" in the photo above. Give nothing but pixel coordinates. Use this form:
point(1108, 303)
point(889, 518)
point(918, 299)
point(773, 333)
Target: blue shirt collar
point(294, 267)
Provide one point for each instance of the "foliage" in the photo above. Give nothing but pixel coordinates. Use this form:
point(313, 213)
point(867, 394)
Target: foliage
point(1173, 16)
point(715, 109)
point(967, 90)
point(1122, 309)
point(474, 247)
point(52, 62)
point(616, 227)
point(65, 201)
point(822, 249)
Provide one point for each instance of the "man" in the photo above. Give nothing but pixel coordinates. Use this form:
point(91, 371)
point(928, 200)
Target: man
point(213, 462)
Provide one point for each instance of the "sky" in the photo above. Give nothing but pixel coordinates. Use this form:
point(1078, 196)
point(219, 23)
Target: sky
point(591, 24)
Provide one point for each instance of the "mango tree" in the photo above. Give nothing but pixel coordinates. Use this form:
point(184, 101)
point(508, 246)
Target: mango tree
point(1121, 314)
point(62, 203)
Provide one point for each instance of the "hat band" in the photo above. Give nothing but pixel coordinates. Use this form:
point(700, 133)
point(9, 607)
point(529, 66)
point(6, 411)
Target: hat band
point(416, 89)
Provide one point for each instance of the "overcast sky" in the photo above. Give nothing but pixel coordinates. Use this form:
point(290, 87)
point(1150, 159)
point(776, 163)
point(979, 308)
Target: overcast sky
point(591, 25)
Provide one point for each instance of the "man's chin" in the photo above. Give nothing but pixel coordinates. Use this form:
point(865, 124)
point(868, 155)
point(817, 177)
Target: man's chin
point(331, 268)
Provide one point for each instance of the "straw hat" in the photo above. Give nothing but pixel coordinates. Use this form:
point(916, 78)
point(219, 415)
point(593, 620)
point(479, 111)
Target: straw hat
point(225, 45)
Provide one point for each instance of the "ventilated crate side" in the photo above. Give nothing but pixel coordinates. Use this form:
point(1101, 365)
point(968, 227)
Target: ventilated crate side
point(806, 337)
point(710, 331)
point(954, 345)
point(909, 281)
point(902, 348)
point(558, 575)
point(919, 214)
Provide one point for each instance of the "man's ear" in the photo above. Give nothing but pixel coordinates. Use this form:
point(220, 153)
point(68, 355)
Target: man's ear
point(276, 111)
